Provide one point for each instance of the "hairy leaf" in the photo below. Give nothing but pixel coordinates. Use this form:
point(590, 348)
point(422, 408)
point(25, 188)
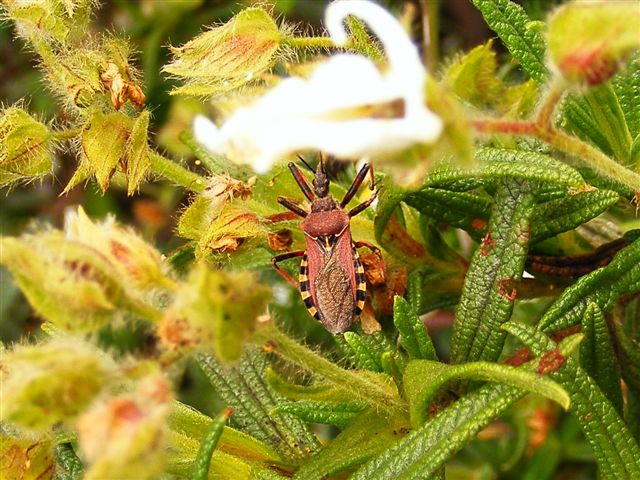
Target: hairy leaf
point(598, 117)
point(561, 215)
point(614, 447)
point(511, 23)
point(330, 413)
point(413, 333)
point(487, 296)
point(200, 470)
point(602, 287)
point(365, 438)
point(246, 391)
point(597, 356)
point(423, 379)
point(627, 88)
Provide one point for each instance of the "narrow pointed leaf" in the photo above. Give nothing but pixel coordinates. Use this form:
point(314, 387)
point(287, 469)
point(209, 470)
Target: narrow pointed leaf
point(423, 379)
point(614, 447)
point(496, 164)
point(329, 413)
point(422, 452)
point(627, 87)
point(597, 356)
point(487, 297)
point(413, 333)
point(564, 214)
point(365, 438)
point(373, 388)
point(251, 401)
point(513, 26)
point(602, 287)
point(200, 470)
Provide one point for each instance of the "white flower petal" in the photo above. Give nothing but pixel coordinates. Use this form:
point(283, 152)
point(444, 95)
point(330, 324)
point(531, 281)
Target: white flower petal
point(327, 111)
point(206, 133)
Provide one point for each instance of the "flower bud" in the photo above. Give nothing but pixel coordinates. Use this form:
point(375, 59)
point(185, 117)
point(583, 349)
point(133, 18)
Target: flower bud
point(51, 382)
point(214, 309)
point(588, 40)
point(123, 437)
point(69, 284)
point(25, 147)
point(226, 57)
point(216, 224)
point(114, 142)
point(133, 258)
point(50, 20)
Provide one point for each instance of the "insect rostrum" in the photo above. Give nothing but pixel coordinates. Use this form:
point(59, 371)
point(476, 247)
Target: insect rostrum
point(331, 279)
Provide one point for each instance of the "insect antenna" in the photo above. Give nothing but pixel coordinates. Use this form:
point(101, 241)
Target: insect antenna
point(305, 163)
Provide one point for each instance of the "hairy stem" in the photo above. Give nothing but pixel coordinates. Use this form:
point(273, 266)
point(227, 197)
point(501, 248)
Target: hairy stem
point(308, 42)
point(568, 144)
point(176, 173)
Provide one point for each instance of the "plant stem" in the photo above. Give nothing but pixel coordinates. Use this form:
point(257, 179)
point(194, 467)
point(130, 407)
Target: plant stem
point(66, 134)
point(372, 390)
point(565, 143)
point(554, 95)
point(309, 42)
point(176, 173)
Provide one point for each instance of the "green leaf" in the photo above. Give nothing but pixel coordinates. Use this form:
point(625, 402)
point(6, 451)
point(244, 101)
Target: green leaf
point(472, 77)
point(597, 356)
point(245, 390)
point(614, 447)
point(364, 438)
point(423, 379)
point(190, 423)
point(330, 413)
point(587, 40)
point(67, 460)
point(200, 470)
point(628, 351)
point(496, 164)
point(627, 88)
point(511, 23)
point(598, 117)
point(375, 389)
point(363, 356)
point(423, 451)
point(413, 333)
point(564, 214)
point(602, 287)
point(486, 300)
point(459, 209)
point(361, 41)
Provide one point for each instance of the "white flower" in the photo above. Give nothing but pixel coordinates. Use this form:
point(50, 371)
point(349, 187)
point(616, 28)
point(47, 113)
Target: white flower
point(346, 108)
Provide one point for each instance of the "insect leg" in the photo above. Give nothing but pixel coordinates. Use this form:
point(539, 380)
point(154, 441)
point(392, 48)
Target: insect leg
point(285, 202)
point(286, 256)
point(370, 246)
point(363, 206)
point(362, 174)
point(301, 181)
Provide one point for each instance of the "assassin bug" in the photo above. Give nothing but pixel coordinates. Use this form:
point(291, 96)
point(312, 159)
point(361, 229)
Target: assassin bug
point(331, 280)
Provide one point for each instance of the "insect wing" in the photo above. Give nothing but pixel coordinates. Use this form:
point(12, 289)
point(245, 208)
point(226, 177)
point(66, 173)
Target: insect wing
point(332, 282)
